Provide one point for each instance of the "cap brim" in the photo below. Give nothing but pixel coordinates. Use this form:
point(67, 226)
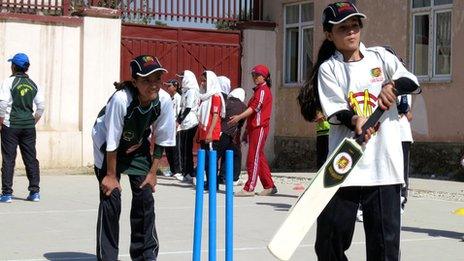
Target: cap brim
point(348, 17)
point(152, 71)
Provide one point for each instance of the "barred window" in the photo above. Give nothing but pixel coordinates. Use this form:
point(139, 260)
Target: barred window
point(298, 43)
point(431, 39)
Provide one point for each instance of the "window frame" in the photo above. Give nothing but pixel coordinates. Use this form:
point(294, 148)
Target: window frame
point(434, 73)
point(432, 12)
point(301, 27)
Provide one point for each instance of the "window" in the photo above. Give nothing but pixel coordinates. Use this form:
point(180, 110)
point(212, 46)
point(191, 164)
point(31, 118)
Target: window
point(298, 43)
point(431, 39)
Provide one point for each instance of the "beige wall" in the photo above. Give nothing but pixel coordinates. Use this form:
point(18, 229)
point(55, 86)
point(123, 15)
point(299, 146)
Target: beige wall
point(73, 93)
point(438, 111)
point(289, 121)
point(258, 48)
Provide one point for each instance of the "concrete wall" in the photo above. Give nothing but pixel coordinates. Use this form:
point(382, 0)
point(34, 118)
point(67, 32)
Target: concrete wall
point(74, 93)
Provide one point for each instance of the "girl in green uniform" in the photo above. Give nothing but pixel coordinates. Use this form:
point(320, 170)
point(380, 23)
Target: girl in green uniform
point(121, 145)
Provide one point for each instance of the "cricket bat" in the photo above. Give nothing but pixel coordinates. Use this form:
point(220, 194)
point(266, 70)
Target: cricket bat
point(319, 192)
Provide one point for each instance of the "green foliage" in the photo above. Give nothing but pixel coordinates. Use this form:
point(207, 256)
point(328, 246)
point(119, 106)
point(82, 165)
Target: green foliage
point(160, 23)
point(224, 25)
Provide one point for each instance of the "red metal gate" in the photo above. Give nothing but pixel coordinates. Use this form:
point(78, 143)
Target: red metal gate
point(181, 49)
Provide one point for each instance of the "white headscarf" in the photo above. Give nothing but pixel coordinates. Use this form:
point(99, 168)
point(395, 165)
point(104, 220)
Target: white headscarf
point(212, 88)
point(189, 81)
point(238, 93)
point(224, 82)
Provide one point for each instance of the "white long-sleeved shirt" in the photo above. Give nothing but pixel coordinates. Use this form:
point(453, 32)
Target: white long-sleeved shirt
point(6, 98)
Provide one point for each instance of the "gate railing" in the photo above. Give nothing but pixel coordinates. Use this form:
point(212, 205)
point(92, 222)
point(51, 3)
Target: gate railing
point(43, 7)
point(146, 11)
point(200, 11)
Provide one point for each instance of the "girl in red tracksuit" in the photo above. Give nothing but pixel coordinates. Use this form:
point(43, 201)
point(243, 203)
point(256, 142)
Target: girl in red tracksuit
point(258, 116)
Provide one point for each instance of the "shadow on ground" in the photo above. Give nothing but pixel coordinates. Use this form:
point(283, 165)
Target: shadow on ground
point(434, 232)
point(277, 206)
point(69, 256)
point(75, 256)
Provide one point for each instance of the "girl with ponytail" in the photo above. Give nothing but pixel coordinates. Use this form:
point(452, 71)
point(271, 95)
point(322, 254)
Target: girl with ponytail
point(310, 106)
point(348, 83)
point(308, 98)
point(121, 146)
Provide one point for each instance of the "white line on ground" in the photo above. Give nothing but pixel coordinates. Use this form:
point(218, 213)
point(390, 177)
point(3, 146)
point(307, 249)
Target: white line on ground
point(96, 209)
point(184, 252)
point(438, 200)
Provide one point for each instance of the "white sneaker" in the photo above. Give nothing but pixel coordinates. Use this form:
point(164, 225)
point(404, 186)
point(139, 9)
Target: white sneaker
point(402, 204)
point(359, 216)
point(194, 181)
point(238, 182)
point(179, 176)
point(187, 178)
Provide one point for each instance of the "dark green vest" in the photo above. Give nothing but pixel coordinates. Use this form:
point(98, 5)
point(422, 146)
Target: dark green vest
point(23, 92)
point(134, 148)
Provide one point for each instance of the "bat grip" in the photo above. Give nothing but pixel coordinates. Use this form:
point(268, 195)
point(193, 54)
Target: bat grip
point(373, 119)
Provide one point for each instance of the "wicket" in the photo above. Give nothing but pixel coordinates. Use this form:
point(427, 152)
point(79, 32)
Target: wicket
point(212, 167)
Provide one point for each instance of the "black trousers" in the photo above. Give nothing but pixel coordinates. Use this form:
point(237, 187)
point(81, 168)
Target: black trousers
point(322, 149)
point(144, 239)
point(406, 154)
point(226, 143)
point(206, 147)
point(186, 149)
point(25, 138)
point(381, 213)
point(172, 154)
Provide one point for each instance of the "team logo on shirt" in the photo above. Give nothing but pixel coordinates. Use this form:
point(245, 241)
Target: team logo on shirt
point(377, 75)
point(24, 89)
point(362, 103)
point(128, 135)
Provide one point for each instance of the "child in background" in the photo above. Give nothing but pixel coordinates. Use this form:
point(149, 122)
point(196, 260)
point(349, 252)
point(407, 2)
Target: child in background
point(258, 115)
point(188, 124)
point(212, 109)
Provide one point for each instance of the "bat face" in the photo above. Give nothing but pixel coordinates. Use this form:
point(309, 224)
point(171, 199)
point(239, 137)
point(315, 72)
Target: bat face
point(342, 162)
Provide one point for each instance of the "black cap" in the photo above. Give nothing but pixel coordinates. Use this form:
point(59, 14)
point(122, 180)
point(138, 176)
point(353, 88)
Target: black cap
point(145, 65)
point(338, 12)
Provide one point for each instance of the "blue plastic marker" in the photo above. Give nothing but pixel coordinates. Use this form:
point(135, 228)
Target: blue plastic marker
point(197, 231)
point(229, 205)
point(212, 167)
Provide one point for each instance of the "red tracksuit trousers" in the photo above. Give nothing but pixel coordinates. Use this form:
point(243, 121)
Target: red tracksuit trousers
point(257, 165)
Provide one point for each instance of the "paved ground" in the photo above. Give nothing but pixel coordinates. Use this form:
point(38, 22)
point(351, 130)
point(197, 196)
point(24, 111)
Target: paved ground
point(62, 225)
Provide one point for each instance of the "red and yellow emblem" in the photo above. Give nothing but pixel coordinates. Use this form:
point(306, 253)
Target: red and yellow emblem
point(342, 162)
point(362, 103)
point(376, 72)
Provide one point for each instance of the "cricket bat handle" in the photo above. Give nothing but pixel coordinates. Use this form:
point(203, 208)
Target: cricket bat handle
point(373, 119)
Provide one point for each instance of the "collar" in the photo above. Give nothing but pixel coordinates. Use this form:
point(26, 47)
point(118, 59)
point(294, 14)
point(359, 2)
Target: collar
point(339, 56)
point(258, 86)
point(20, 74)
